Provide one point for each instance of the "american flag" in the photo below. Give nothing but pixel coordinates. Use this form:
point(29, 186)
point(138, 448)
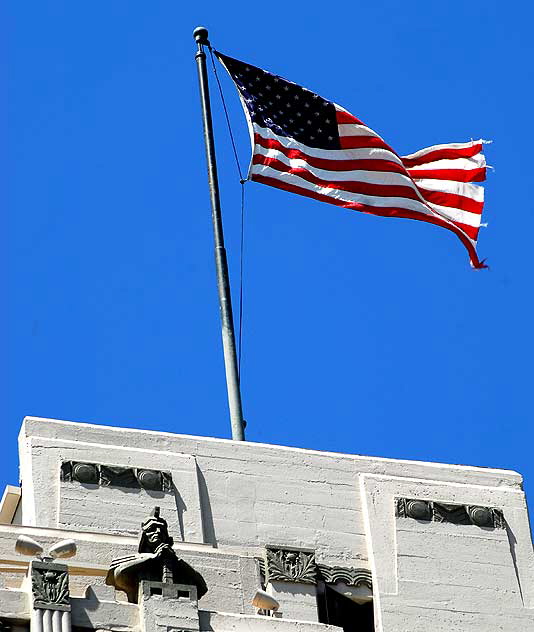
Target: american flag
point(311, 146)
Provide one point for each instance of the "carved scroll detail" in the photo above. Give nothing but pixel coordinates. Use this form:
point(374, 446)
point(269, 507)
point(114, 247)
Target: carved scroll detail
point(432, 511)
point(116, 476)
point(300, 566)
point(350, 576)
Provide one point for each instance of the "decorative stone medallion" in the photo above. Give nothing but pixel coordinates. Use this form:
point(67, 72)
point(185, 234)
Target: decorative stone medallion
point(432, 511)
point(150, 479)
point(416, 509)
point(85, 473)
point(486, 517)
point(289, 565)
point(50, 586)
point(116, 476)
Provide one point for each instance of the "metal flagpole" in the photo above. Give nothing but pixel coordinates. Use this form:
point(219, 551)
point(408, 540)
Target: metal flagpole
point(223, 283)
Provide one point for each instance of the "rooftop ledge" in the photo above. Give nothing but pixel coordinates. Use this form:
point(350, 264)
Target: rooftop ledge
point(173, 442)
point(230, 622)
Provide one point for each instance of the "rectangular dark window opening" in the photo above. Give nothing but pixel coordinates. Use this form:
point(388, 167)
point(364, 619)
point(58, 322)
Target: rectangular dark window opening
point(156, 590)
point(337, 609)
point(184, 593)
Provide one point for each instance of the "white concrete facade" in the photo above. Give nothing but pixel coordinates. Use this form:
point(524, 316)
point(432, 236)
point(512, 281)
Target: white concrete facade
point(231, 500)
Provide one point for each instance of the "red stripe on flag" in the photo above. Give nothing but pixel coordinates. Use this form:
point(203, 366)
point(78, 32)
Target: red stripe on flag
point(363, 142)
point(345, 117)
point(353, 186)
point(471, 231)
point(381, 211)
point(442, 154)
point(459, 175)
point(364, 208)
point(332, 165)
point(452, 200)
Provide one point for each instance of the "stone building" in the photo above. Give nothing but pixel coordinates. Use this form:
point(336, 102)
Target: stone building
point(128, 530)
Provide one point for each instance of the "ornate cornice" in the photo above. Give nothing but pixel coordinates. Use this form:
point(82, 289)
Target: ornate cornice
point(50, 586)
point(116, 476)
point(431, 511)
point(291, 565)
point(350, 576)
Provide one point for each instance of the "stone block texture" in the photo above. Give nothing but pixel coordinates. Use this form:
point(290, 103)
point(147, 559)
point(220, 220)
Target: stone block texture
point(230, 500)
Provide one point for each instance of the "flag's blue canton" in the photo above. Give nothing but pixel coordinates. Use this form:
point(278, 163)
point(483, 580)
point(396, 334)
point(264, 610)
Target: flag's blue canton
point(286, 108)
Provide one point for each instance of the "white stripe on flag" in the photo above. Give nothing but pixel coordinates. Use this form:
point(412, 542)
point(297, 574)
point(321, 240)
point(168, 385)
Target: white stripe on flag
point(346, 196)
point(427, 150)
point(328, 154)
point(475, 162)
point(457, 215)
point(370, 177)
point(467, 189)
point(352, 129)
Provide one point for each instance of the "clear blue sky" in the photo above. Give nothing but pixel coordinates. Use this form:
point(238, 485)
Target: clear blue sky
point(361, 334)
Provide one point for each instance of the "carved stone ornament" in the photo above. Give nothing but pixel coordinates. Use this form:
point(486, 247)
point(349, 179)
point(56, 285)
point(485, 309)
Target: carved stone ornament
point(116, 476)
point(328, 574)
point(50, 586)
point(85, 473)
point(156, 564)
point(288, 565)
point(350, 576)
point(486, 517)
point(429, 510)
point(417, 509)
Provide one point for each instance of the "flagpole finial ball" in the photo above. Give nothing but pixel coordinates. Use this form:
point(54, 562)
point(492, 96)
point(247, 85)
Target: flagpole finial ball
point(201, 35)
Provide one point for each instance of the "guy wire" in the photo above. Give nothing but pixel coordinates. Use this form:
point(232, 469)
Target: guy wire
point(242, 239)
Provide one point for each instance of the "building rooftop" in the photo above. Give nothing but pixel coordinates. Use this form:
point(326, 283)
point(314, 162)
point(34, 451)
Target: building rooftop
point(332, 538)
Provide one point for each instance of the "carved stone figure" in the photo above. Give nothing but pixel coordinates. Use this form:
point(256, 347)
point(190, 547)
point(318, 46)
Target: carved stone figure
point(156, 562)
